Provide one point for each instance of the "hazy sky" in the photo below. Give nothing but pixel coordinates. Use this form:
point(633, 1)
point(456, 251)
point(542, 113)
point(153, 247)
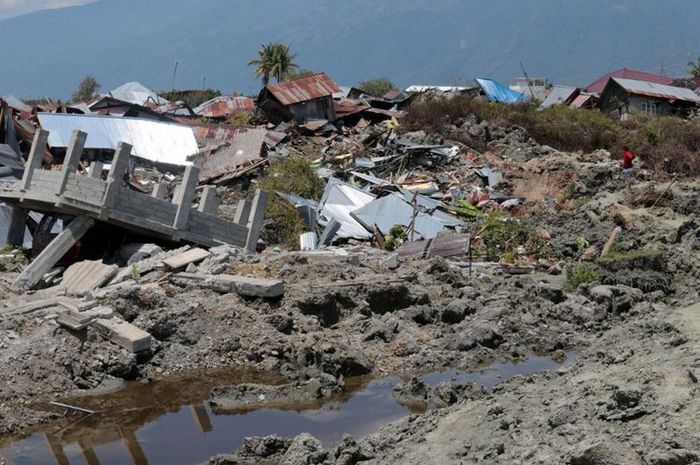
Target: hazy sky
point(10, 8)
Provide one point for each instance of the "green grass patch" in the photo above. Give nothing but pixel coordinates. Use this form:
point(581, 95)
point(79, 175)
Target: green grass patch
point(291, 175)
point(582, 273)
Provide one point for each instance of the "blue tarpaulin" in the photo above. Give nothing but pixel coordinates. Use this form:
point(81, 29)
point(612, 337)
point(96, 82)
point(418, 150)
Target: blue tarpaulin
point(497, 92)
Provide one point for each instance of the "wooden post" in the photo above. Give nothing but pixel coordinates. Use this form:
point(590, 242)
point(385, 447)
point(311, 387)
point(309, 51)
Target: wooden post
point(53, 252)
point(159, 191)
point(209, 202)
point(18, 223)
point(70, 162)
point(255, 222)
point(185, 196)
point(242, 212)
point(116, 174)
point(611, 241)
point(36, 154)
point(96, 170)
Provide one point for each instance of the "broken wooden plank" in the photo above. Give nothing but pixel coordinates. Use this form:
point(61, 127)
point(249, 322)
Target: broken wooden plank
point(75, 321)
point(184, 259)
point(53, 253)
point(123, 334)
point(243, 285)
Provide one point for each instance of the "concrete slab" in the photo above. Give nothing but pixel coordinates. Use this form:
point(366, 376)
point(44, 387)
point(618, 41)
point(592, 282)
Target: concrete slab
point(184, 259)
point(123, 334)
point(74, 320)
point(83, 277)
point(249, 287)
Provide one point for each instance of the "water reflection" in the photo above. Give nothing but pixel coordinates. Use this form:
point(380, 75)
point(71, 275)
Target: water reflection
point(169, 422)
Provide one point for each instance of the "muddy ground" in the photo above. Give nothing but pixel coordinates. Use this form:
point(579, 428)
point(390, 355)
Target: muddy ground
point(630, 398)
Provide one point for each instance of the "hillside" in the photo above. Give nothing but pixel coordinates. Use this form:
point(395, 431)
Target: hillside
point(410, 41)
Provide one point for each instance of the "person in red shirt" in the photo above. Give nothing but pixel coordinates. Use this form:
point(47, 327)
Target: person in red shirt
point(627, 157)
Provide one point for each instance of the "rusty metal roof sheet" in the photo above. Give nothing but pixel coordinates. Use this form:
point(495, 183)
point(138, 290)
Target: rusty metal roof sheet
point(224, 106)
point(303, 89)
point(246, 147)
point(651, 89)
point(580, 101)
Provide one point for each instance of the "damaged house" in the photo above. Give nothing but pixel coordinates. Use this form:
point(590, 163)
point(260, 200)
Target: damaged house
point(305, 99)
point(625, 95)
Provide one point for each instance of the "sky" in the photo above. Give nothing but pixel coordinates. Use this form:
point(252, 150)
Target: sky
point(10, 8)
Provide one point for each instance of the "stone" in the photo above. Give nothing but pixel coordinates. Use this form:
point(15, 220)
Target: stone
point(604, 453)
point(123, 334)
point(186, 258)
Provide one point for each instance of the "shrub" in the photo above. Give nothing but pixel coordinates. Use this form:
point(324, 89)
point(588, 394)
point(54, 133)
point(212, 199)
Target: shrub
point(582, 273)
point(291, 175)
point(559, 126)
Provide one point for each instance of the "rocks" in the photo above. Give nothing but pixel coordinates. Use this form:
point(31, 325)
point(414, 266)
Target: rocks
point(624, 405)
point(413, 393)
point(304, 450)
point(246, 397)
point(615, 299)
point(389, 298)
point(550, 292)
point(604, 453)
point(456, 311)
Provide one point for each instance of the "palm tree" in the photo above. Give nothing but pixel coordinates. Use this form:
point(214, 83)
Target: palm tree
point(694, 68)
point(274, 60)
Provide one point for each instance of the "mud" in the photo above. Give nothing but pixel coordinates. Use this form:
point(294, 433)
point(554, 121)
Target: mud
point(632, 392)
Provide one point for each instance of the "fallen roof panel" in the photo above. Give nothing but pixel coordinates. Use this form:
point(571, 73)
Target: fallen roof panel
point(339, 200)
point(304, 89)
point(224, 106)
point(246, 147)
point(151, 140)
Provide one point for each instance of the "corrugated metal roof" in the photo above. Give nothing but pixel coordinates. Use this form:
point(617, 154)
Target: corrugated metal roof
point(152, 140)
point(224, 106)
point(339, 200)
point(558, 96)
point(598, 86)
point(658, 90)
point(135, 92)
point(245, 148)
point(580, 101)
point(303, 89)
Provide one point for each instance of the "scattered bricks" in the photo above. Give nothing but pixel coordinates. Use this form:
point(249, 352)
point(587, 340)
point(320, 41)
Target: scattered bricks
point(74, 320)
point(184, 259)
point(250, 287)
point(123, 334)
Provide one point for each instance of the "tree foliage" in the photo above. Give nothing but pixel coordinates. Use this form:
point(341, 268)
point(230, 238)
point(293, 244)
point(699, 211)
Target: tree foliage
point(87, 89)
point(694, 68)
point(298, 74)
point(274, 60)
point(377, 87)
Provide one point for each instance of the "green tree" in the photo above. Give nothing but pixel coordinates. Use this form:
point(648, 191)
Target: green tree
point(274, 60)
point(694, 68)
point(377, 87)
point(298, 74)
point(87, 89)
